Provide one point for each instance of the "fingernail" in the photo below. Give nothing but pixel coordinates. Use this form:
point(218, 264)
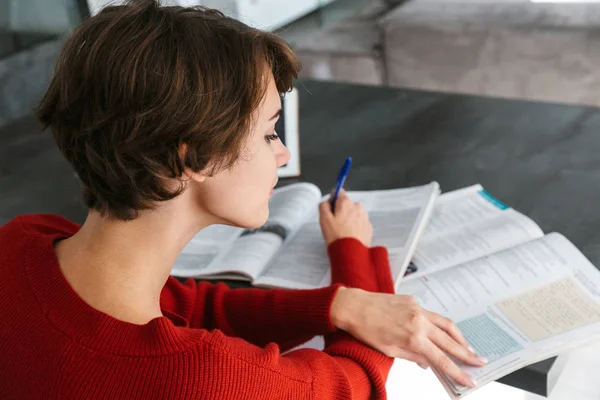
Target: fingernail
point(471, 349)
point(482, 360)
point(422, 366)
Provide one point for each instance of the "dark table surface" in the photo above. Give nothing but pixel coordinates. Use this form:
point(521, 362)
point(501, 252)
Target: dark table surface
point(541, 159)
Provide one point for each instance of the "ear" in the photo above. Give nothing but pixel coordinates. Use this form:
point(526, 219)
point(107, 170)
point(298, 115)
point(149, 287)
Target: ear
point(187, 172)
point(198, 177)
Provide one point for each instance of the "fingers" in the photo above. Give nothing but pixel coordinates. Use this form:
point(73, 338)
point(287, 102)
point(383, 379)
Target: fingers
point(447, 326)
point(341, 194)
point(453, 340)
point(410, 356)
point(342, 202)
point(445, 342)
point(347, 220)
point(443, 363)
point(325, 210)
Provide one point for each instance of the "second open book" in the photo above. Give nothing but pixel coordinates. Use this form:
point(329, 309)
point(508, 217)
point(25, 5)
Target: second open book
point(517, 295)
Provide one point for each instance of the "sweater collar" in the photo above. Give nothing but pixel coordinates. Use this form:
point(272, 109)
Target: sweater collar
point(90, 327)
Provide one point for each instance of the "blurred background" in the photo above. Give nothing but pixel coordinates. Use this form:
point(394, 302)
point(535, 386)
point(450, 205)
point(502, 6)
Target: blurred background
point(504, 48)
point(515, 49)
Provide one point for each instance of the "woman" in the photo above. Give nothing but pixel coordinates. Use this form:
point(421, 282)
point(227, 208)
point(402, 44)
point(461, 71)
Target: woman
point(167, 116)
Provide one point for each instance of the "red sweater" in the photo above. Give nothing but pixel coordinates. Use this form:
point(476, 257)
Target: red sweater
point(212, 342)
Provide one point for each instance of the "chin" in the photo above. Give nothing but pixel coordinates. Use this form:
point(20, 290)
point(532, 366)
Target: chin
point(253, 221)
point(257, 222)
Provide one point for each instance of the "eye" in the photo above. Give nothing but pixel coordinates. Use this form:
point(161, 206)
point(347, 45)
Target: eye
point(270, 138)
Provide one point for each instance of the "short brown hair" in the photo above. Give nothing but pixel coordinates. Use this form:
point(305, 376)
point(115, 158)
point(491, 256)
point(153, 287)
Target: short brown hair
point(136, 81)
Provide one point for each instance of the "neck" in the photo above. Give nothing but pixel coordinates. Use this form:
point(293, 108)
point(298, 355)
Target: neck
point(120, 267)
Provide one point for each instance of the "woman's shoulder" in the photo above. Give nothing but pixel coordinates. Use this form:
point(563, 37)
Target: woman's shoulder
point(31, 230)
point(37, 225)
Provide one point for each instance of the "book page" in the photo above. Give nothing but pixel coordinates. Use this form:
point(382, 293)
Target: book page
point(396, 215)
point(247, 256)
point(484, 281)
point(468, 224)
point(220, 252)
point(517, 306)
point(548, 311)
point(200, 252)
point(301, 263)
point(529, 327)
point(291, 204)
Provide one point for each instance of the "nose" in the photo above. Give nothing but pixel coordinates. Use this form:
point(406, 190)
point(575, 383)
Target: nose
point(282, 155)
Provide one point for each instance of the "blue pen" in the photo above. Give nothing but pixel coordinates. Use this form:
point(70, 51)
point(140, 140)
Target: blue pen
point(340, 181)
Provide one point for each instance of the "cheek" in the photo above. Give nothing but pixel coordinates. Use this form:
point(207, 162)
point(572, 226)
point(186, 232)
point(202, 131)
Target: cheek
point(261, 170)
point(239, 197)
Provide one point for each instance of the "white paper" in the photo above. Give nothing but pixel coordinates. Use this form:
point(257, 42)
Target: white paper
point(290, 204)
point(480, 282)
point(468, 224)
point(302, 262)
point(198, 254)
point(248, 256)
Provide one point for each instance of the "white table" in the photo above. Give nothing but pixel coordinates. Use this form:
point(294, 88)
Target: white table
point(573, 376)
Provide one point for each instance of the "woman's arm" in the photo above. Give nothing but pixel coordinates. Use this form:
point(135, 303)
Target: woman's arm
point(286, 317)
point(346, 369)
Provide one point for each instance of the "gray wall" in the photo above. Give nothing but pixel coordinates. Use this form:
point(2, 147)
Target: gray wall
point(5, 37)
point(40, 16)
point(24, 77)
point(4, 13)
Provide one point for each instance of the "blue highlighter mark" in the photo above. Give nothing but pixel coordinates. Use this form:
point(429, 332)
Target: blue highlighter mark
point(493, 200)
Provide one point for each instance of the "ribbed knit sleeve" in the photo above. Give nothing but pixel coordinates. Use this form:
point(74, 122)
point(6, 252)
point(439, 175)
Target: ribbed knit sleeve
point(285, 317)
point(354, 265)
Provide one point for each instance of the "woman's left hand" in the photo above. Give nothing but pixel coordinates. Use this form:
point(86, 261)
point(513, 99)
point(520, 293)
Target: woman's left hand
point(398, 327)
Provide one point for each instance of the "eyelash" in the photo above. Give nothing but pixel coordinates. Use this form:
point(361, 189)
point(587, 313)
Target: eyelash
point(272, 137)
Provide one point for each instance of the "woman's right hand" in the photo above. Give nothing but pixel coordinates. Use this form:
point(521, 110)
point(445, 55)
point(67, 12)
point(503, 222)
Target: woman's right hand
point(398, 327)
point(349, 221)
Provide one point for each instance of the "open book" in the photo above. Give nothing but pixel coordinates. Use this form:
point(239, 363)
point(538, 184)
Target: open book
point(517, 295)
point(289, 250)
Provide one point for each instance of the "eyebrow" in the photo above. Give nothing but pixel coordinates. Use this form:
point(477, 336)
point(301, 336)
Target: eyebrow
point(277, 114)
